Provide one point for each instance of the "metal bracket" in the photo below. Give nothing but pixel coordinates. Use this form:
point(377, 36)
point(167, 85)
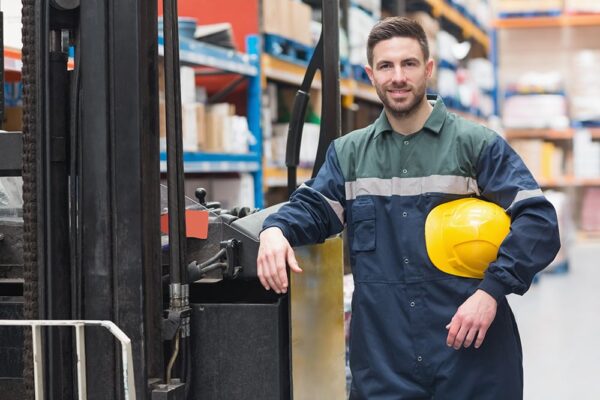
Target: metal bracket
point(173, 322)
point(232, 249)
point(172, 391)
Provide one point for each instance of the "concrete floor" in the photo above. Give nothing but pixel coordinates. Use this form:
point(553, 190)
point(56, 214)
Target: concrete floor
point(559, 321)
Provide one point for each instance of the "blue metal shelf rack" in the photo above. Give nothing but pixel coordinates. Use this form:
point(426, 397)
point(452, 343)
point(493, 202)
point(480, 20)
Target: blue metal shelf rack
point(192, 52)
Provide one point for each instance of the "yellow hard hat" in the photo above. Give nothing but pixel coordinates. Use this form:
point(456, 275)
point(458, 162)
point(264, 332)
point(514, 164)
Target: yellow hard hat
point(463, 236)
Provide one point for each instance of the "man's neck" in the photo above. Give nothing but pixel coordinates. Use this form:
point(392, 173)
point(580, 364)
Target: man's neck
point(406, 125)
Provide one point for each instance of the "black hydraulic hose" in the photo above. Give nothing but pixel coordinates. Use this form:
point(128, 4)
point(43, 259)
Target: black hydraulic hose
point(176, 205)
point(213, 267)
point(175, 171)
point(74, 157)
point(217, 257)
point(197, 271)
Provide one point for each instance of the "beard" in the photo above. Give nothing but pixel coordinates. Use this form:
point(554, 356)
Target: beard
point(405, 109)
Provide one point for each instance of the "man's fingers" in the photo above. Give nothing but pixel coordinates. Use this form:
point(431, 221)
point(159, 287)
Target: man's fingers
point(460, 337)
point(269, 272)
point(260, 268)
point(470, 337)
point(480, 336)
point(276, 267)
point(282, 278)
point(453, 328)
point(279, 266)
point(291, 260)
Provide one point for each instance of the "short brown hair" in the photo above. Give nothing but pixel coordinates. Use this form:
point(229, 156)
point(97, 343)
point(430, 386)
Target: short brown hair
point(396, 27)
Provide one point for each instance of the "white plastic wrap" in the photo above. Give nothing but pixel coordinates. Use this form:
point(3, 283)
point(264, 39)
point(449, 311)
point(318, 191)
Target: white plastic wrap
point(11, 196)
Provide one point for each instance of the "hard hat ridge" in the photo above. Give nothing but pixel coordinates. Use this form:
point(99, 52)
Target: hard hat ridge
point(463, 236)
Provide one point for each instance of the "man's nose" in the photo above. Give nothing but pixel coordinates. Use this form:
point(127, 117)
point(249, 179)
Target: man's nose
point(399, 75)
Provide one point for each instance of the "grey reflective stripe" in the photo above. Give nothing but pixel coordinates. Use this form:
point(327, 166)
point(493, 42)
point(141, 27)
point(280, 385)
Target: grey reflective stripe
point(337, 208)
point(526, 194)
point(448, 184)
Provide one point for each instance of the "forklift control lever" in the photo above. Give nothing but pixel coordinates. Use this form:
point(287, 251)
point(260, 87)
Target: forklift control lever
point(227, 259)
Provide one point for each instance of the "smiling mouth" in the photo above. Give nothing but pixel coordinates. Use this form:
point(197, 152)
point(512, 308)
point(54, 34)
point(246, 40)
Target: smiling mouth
point(399, 91)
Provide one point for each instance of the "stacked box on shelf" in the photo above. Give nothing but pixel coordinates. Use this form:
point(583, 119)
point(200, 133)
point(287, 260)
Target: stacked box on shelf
point(210, 128)
point(287, 18)
point(581, 6)
point(360, 23)
point(586, 155)
point(550, 111)
point(478, 12)
point(544, 159)
point(508, 8)
point(590, 217)
point(308, 146)
point(584, 86)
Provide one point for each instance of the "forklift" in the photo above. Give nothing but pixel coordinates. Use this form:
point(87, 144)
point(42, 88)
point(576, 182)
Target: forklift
point(184, 317)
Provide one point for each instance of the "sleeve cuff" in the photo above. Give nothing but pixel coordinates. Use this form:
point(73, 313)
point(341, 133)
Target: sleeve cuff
point(492, 286)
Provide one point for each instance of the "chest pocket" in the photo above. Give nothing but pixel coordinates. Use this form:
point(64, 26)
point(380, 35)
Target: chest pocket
point(363, 222)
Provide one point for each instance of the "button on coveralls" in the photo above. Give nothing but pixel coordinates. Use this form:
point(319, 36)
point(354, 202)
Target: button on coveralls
point(381, 186)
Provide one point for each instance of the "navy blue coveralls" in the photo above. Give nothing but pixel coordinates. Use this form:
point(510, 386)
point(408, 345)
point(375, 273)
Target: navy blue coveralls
point(381, 186)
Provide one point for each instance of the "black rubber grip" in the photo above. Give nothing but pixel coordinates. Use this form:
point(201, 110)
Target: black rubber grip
point(292, 151)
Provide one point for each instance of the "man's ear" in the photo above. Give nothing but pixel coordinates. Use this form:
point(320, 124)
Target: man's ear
point(429, 68)
point(370, 73)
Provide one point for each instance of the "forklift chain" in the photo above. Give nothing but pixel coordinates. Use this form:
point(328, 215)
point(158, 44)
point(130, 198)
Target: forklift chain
point(30, 270)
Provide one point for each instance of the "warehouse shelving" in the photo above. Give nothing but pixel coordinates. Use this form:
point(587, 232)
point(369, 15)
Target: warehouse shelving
point(442, 8)
point(277, 177)
point(201, 162)
point(548, 21)
point(569, 181)
point(550, 134)
point(284, 71)
point(562, 135)
point(288, 72)
point(247, 64)
point(556, 39)
point(192, 52)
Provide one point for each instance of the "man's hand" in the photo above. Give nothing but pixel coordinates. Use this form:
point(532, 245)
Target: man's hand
point(274, 254)
point(472, 319)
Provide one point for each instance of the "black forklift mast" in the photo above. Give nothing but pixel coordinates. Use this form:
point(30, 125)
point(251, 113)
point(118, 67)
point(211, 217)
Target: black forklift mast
point(91, 205)
point(91, 187)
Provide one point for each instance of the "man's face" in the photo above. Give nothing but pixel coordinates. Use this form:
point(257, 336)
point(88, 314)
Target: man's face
point(399, 74)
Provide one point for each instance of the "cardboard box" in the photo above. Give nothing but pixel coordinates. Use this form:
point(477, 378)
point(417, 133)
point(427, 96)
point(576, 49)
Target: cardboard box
point(188, 84)
point(275, 16)
point(189, 127)
point(216, 125)
point(299, 22)
point(13, 119)
point(582, 6)
point(201, 125)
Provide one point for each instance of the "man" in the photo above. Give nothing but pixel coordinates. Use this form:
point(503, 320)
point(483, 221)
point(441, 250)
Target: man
point(417, 332)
